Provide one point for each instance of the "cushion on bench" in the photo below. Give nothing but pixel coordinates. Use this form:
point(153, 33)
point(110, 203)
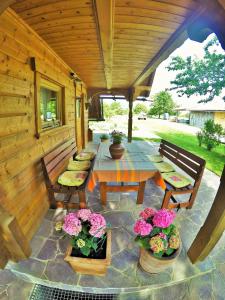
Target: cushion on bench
point(155, 158)
point(72, 178)
point(85, 156)
point(78, 165)
point(164, 167)
point(176, 179)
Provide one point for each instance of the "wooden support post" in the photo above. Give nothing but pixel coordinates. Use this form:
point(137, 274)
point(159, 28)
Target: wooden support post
point(213, 228)
point(15, 244)
point(130, 118)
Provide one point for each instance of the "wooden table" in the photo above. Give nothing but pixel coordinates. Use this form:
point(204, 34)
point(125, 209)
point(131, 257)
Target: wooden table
point(134, 168)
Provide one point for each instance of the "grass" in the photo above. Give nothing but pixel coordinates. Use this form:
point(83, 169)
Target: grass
point(215, 159)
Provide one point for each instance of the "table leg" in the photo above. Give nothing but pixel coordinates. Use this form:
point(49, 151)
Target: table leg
point(141, 191)
point(103, 192)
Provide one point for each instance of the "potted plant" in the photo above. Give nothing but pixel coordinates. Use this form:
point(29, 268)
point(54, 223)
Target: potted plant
point(90, 249)
point(158, 239)
point(116, 149)
point(104, 137)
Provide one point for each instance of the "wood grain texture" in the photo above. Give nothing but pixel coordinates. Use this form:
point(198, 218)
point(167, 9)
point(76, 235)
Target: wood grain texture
point(25, 196)
point(213, 228)
point(91, 35)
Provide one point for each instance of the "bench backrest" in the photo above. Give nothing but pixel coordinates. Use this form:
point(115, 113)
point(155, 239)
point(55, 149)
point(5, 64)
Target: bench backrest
point(55, 162)
point(192, 164)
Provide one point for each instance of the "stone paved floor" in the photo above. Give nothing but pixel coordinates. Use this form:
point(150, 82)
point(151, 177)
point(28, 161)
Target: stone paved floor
point(205, 280)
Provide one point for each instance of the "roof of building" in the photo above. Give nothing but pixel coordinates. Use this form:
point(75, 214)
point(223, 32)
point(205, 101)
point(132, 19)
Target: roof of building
point(213, 106)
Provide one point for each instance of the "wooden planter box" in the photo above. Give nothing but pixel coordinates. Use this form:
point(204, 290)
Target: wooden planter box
point(90, 266)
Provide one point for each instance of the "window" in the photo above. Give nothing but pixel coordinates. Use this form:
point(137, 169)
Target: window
point(50, 104)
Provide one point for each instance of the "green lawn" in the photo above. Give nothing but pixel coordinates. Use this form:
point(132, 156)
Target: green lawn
point(215, 159)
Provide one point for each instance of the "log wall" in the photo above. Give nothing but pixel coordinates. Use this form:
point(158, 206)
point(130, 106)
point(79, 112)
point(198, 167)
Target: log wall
point(21, 174)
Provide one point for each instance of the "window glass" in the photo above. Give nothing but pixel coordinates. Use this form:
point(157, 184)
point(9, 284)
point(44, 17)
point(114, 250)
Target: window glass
point(49, 107)
point(78, 107)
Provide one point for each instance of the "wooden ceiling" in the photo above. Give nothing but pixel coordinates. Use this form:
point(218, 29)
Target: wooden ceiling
point(107, 42)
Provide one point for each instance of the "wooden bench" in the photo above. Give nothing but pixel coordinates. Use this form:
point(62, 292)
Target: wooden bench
point(55, 163)
point(191, 164)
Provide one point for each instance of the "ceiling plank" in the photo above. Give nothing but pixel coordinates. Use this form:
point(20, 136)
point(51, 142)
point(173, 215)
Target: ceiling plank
point(105, 20)
point(175, 41)
point(5, 4)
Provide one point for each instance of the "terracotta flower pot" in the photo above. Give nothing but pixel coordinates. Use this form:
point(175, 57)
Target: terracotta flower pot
point(116, 151)
point(90, 266)
point(152, 264)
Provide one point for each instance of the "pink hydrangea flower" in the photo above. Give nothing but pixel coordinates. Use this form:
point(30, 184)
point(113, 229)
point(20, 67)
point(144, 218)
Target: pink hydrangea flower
point(147, 213)
point(98, 225)
point(72, 225)
point(97, 220)
point(142, 228)
point(96, 231)
point(84, 214)
point(163, 218)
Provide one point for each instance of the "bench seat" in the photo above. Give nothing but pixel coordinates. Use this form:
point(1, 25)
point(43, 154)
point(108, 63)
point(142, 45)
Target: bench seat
point(191, 164)
point(54, 164)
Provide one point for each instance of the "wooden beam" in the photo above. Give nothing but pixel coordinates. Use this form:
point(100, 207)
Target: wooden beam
point(212, 229)
point(139, 90)
point(175, 41)
point(92, 92)
point(130, 117)
point(4, 4)
point(104, 14)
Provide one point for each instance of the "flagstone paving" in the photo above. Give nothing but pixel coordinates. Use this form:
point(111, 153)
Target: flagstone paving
point(205, 280)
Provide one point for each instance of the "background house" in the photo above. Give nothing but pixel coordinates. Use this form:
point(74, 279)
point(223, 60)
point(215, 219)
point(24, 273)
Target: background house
point(203, 112)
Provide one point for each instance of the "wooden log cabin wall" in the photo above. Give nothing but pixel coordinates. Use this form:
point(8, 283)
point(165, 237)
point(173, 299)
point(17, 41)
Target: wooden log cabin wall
point(23, 192)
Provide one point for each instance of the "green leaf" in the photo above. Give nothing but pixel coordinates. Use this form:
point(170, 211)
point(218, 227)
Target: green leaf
point(88, 243)
point(85, 251)
point(155, 231)
point(159, 255)
point(94, 246)
point(169, 251)
point(144, 242)
point(85, 229)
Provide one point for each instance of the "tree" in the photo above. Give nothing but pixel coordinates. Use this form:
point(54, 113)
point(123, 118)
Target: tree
point(162, 103)
point(203, 77)
point(117, 108)
point(113, 109)
point(140, 108)
point(108, 113)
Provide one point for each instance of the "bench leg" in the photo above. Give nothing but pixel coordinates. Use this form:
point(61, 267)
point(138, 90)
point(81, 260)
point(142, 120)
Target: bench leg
point(166, 199)
point(103, 193)
point(82, 199)
point(192, 199)
point(141, 191)
point(51, 198)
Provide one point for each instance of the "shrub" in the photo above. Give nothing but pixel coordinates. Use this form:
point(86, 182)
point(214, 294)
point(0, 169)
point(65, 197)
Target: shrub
point(210, 134)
